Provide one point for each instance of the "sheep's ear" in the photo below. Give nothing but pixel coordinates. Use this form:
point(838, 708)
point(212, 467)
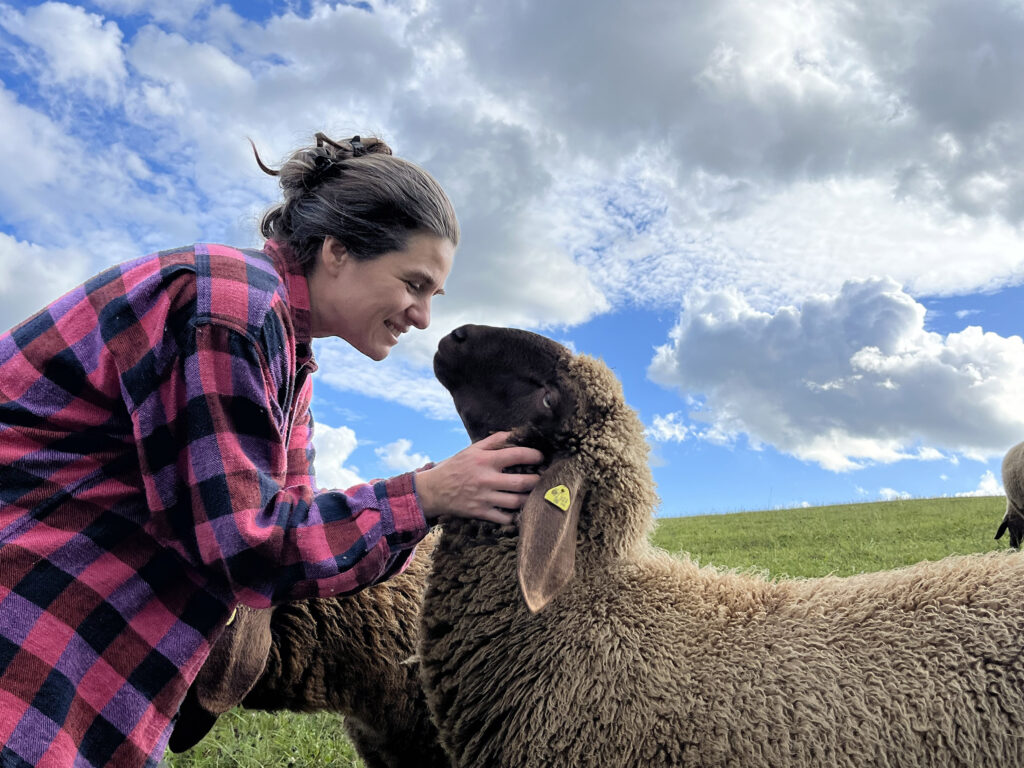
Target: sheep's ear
point(235, 663)
point(192, 723)
point(547, 534)
point(236, 660)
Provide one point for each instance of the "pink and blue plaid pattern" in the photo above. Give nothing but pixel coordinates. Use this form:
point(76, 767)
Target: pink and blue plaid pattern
point(155, 470)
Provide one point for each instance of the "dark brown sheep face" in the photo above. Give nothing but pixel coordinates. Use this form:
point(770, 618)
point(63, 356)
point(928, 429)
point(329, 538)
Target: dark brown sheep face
point(506, 379)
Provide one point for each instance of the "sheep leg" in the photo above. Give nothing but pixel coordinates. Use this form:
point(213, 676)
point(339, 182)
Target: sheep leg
point(1013, 521)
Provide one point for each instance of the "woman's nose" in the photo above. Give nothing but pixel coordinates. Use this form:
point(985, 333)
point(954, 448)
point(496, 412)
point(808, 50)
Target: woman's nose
point(419, 314)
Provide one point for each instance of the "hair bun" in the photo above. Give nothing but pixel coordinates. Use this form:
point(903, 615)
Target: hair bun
point(309, 167)
point(354, 147)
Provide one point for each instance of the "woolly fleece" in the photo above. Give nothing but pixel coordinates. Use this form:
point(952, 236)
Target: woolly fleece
point(648, 660)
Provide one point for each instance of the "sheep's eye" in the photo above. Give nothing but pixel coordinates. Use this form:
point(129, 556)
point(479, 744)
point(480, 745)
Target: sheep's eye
point(546, 402)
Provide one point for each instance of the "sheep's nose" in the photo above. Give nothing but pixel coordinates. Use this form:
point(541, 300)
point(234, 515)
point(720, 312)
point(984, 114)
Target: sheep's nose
point(460, 333)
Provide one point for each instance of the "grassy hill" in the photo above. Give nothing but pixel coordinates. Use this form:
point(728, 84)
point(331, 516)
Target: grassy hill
point(816, 541)
point(840, 540)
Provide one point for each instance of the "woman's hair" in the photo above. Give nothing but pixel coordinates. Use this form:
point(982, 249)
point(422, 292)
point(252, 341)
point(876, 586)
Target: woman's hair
point(359, 193)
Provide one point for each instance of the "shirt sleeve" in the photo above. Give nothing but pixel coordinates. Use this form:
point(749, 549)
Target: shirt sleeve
point(301, 454)
point(237, 499)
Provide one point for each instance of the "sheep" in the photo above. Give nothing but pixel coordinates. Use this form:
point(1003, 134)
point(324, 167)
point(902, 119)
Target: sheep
point(1013, 486)
point(569, 640)
point(351, 655)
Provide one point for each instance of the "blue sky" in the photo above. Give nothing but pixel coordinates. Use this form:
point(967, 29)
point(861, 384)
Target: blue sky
point(792, 228)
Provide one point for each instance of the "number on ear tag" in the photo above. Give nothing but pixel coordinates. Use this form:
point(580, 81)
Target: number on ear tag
point(559, 496)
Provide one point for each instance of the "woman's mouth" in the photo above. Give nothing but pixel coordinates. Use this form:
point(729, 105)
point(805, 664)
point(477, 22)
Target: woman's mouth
point(393, 329)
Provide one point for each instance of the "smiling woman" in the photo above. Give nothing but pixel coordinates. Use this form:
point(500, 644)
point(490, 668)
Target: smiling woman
point(370, 303)
point(156, 464)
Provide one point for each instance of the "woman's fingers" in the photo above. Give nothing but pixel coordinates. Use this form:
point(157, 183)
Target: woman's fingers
point(494, 440)
point(517, 483)
point(508, 457)
point(495, 516)
point(508, 453)
point(509, 500)
point(473, 483)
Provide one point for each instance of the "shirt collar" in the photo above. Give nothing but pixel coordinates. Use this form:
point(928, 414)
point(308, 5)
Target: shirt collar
point(298, 299)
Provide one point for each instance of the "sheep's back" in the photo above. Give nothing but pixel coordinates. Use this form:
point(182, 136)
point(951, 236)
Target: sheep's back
point(659, 662)
point(354, 655)
point(1013, 477)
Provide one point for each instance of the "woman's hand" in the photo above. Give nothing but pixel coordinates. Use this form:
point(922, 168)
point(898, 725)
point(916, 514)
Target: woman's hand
point(471, 483)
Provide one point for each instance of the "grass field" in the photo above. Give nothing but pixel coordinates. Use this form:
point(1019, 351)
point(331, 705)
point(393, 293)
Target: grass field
point(840, 540)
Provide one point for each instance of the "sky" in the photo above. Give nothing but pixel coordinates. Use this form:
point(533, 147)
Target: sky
point(793, 228)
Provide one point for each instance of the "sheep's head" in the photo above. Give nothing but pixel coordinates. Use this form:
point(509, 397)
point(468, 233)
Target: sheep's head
point(571, 408)
point(507, 379)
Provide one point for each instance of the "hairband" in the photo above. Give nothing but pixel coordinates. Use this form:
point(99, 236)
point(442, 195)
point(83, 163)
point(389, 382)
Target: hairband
point(322, 166)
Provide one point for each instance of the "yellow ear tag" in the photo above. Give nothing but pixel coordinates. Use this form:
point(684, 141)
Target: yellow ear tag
point(231, 617)
point(559, 496)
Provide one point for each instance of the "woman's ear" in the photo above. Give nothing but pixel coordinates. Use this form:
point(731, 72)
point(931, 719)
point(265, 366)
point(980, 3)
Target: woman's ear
point(547, 534)
point(333, 255)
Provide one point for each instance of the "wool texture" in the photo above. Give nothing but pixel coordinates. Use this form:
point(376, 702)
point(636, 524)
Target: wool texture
point(356, 656)
point(650, 660)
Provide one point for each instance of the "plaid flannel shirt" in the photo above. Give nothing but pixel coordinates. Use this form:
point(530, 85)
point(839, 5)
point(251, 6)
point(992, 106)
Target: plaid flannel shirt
point(155, 470)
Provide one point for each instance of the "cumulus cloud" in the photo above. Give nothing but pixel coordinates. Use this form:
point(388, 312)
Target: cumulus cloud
point(668, 428)
point(392, 379)
point(333, 446)
point(396, 456)
point(845, 379)
point(31, 277)
point(511, 269)
point(777, 150)
point(715, 148)
point(769, 93)
point(80, 49)
point(890, 494)
point(988, 485)
point(178, 13)
point(718, 147)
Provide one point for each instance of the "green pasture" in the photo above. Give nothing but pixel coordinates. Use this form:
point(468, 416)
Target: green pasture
point(816, 541)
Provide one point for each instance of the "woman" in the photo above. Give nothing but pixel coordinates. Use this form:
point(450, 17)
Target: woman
point(155, 457)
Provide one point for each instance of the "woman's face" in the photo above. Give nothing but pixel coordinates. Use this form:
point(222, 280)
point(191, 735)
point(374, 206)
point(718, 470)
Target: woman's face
point(370, 304)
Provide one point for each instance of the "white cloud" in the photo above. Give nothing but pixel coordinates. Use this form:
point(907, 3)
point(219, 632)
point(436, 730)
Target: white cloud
point(60, 192)
point(846, 379)
point(668, 428)
point(768, 93)
point(345, 369)
point(721, 148)
point(777, 150)
point(650, 240)
point(396, 456)
point(31, 277)
point(889, 494)
point(80, 48)
point(988, 485)
point(333, 447)
point(178, 13)
point(714, 149)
